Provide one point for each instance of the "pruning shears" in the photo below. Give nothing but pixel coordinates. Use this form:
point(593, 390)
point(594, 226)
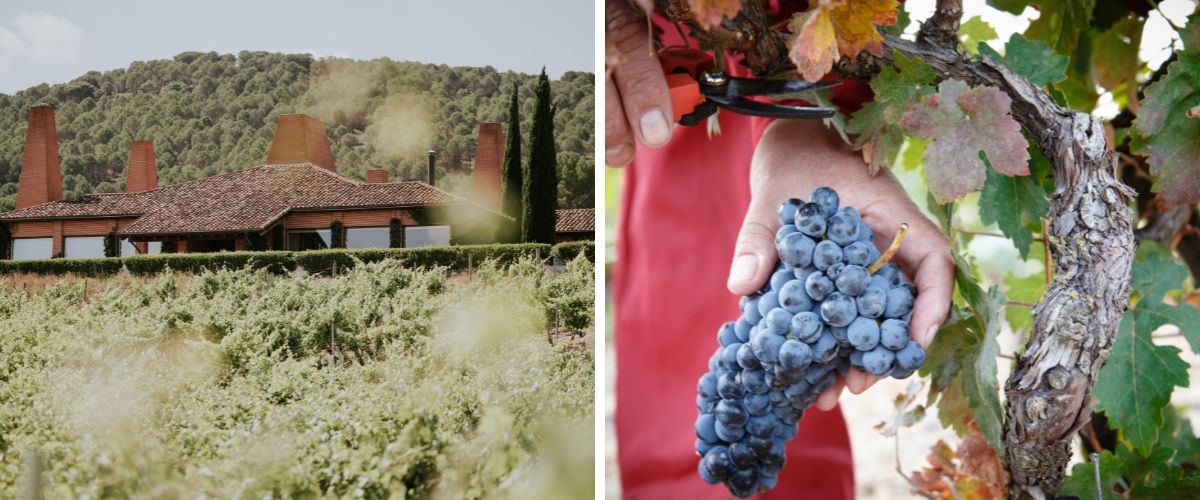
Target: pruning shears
point(698, 89)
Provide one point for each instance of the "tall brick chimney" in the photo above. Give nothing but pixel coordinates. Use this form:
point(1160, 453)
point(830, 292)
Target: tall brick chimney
point(301, 139)
point(489, 154)
point(142, 174)
point(377, 176)
point(41, 178)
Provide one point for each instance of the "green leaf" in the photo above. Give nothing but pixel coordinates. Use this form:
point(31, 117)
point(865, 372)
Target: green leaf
point(1115, 53)
point(961, 362)
point(1079, 89)
point(1170, 139)
point(1012, 203)
point(1028, 289)
point(1009, 6)
point(1126, 474)
point(1031, 59)
point(873, 125)
point(961, 122)
point(973, 31)
point(1136, 383)
point(1060, 23)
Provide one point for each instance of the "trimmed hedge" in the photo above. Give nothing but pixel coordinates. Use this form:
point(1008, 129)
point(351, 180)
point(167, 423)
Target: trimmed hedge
point(567, 250)
point(81, 267)
point(275, 262)
point(455, 257)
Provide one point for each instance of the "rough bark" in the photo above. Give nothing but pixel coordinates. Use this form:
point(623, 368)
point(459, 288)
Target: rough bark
point(1091, 239)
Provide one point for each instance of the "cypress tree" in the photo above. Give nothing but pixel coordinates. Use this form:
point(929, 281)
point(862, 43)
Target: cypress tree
point(511, 177)
point(539, 193)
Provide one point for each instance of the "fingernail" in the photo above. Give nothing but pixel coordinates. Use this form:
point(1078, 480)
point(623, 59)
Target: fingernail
point(929, 335)
point(744, 268)
point(655, 128)
point(617, 151)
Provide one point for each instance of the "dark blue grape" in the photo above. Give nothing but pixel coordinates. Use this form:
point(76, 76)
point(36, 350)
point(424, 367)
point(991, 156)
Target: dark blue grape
point(706, 427)
point(728, 387)
point(726, 334)
point(793, 298)
point(776, 396)
point(714, 361)
point(827, 198)
point(817, 375)
point(784, 230)
point(893, 334)
point(779, 320)
point(703, 446)
point(871, 302)
point(795, 354)
point(766, 346)
point(866, 235)
point(879, 361)
point(729, 359)
point(767, 301)
point(755, 381)
point(746, 358)
point(835, 270)
point(706, 474)
point(741, 455)
point(731, 413)
point(810, 220)
point(789, 431)
point(707, 386)
point(838, 309)
point(795, 250)
point(705, 405)
point(787, 210)
point(843, 227)
point(911, 357)
point(727, 433)
point(765, 426)
point(863, 333)
point(803, 272)
point(805, 327)
point(818, 286)
point(717, 462)
point(852, 280)
point(890, 272)
point(757, 404)
point(855, 359)
point(826, 348)
point(899, 302)
point(857, 253)
point(826, 254)
point(880, 281)
point(900, 373)
point(741, 327)
point(751, 312)
point(778, 278)
point(839, 333)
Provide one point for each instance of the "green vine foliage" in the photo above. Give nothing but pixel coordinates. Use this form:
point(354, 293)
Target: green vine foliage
point(374, 383)
point(993, 208)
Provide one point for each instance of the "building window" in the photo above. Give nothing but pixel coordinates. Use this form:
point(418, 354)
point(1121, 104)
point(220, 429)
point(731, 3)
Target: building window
point(426, 236)
point(83, 247)
point(308, 239)
point(33, 248)
point(368, 237)
point(128, 250)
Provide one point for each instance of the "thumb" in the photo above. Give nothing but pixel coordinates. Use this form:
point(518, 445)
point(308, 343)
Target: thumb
point(754, 255)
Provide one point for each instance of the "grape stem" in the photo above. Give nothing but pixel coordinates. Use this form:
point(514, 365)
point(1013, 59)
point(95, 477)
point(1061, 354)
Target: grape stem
point(891, 249)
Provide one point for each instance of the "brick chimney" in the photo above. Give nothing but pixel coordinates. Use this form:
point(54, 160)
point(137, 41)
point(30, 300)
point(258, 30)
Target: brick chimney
point(301, 139)
point(377, 176)
point(489, 154)
point(142, 174)
point(41, 179)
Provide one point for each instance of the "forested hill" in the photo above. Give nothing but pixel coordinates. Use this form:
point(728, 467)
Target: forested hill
point(210, 113)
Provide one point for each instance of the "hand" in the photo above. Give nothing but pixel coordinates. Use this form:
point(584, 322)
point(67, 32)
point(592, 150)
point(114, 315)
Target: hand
point(795, 157)
point(637, 103)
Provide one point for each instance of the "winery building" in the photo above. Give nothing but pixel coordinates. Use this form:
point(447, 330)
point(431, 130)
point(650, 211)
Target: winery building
point(295, 200)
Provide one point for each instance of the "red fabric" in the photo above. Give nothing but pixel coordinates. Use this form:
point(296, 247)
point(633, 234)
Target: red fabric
point(681, 208)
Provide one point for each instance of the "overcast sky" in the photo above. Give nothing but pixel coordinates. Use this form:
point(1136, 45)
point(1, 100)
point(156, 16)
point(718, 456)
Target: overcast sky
point(55, 41)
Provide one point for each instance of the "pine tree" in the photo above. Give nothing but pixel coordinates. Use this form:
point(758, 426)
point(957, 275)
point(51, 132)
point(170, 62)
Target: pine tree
point(511, 181)
point(539, 193)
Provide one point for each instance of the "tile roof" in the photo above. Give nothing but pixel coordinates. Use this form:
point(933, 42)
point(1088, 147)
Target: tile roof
point(245, 200)
point(575, 220)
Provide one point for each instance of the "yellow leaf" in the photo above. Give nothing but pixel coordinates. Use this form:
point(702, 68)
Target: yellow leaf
point(837, 27)
point(708, 13)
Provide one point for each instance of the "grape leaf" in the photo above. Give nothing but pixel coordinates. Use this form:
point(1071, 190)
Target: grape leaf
point(961, 362)
point(837, 28)
point(961, 122)
point(708, 13)
point(1114, 53)
point(1031, 59)
point(1136, 383)
point(1126, 474)
point(1166, 136)
point(1060, 23)
point(873, 124)
point(975, 30)
point(1013, 203)
point(1009, 6)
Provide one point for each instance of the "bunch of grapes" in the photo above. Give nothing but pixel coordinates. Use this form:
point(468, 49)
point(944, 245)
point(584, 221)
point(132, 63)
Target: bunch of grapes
point(834, 302)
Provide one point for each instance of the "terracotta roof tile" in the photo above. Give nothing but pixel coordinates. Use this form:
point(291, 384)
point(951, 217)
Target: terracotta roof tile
point(245, 200)
point(575, 220)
